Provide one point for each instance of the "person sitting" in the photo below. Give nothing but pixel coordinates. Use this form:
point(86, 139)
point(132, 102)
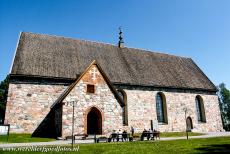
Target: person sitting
point(124, 135)
point(132, 131)
point(119, 135)
point(156, 134)
point(151, 134)
point(144, 134)
point(113, 135)
point(148, 134)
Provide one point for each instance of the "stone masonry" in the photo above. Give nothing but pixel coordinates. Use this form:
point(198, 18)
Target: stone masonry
point(103, 99)
point(28, 104)
point(142, 109)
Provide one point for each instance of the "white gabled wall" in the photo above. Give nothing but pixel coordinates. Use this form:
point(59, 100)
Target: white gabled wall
point(103, 99)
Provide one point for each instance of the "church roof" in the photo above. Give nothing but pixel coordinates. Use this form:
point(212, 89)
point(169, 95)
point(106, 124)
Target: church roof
point(59, 57)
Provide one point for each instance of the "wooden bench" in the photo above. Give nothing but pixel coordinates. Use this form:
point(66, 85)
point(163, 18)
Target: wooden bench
point(114, 136)
point(100, 138)
point(118, 137)
point(77, 137)
point(150, 136)
point(80, 136)
point(156, 134)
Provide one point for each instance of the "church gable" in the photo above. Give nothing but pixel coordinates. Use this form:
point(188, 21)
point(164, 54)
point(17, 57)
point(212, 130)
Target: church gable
point(92, 78)
point(94, 95)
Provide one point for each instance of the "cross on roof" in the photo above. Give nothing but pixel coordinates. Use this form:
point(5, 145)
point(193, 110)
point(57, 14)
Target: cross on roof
point(94, 72)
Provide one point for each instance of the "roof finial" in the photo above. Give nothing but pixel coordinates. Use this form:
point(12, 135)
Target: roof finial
point(121, 42)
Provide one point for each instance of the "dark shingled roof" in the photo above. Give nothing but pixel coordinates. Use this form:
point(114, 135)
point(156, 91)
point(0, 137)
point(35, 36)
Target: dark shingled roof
point(52, 56)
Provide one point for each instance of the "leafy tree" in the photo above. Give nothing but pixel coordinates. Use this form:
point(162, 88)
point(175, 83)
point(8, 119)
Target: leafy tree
point(4, 85)
point(224, 101)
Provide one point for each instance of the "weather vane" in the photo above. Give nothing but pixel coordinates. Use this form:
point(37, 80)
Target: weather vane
point(121, 42)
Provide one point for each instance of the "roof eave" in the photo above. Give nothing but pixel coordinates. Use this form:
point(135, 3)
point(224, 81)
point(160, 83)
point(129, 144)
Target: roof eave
point(68, 80)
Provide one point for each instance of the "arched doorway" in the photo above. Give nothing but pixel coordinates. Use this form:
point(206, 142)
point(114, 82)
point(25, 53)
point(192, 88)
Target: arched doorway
point(189, 125)
point(94, 121)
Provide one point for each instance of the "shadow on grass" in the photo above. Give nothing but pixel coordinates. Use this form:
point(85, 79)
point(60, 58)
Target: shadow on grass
point(216, 148)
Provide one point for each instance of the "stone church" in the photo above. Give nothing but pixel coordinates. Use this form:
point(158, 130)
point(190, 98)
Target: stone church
point(107, 87)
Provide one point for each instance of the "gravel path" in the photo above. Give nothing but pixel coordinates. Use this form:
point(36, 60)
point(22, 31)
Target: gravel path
point(208, 135)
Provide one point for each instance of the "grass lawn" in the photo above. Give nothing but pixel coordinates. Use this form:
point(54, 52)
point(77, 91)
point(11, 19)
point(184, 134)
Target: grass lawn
point(173, 134)
point(208, 145)
point(179, 134)
point(16, 138)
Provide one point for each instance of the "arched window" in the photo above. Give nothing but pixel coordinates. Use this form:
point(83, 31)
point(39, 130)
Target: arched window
point(161, 108)
point(123, 96)
point(200, 109)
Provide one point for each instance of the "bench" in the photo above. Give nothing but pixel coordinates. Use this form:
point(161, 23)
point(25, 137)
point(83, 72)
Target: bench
point(77, 137)
point(121, 136)
point(150, 135)
point(100, 138)
point(113, 137)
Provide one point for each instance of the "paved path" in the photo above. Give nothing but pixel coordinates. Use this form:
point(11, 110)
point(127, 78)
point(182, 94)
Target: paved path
point(215, 134)
point(208, 135)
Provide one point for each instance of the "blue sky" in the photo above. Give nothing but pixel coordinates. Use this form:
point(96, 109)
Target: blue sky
point(199, 29)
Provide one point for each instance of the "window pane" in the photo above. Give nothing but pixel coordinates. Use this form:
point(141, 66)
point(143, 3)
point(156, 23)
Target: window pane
point(198, 109)
point(123, 115)
point(124, 109)
point(90, 88)
point(121, 95)
point(159, 105)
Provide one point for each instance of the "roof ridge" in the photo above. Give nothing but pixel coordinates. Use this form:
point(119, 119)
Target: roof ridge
point(105, 43)
point(157, 52)
point(75, 39)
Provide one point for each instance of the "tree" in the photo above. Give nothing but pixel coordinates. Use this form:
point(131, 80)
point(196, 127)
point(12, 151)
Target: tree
point(4, 85)
point(224, 102)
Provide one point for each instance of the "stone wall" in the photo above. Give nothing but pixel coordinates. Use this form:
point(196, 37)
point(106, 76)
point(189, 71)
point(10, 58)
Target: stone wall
point(28, 105)
point(142, 109)
point(103, 99)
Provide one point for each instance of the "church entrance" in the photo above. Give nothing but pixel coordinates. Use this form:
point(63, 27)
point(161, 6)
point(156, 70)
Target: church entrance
point(189, 124)
point(94, 121)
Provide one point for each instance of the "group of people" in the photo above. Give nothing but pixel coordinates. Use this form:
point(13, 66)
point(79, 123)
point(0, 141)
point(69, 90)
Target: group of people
point(123, 135)
point(150, 134)
point(119, 135)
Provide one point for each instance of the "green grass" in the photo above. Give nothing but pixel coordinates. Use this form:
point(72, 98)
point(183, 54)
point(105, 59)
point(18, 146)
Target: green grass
point(208, 145)
point(173, 134)
point(16, 138)
point(179, 134)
